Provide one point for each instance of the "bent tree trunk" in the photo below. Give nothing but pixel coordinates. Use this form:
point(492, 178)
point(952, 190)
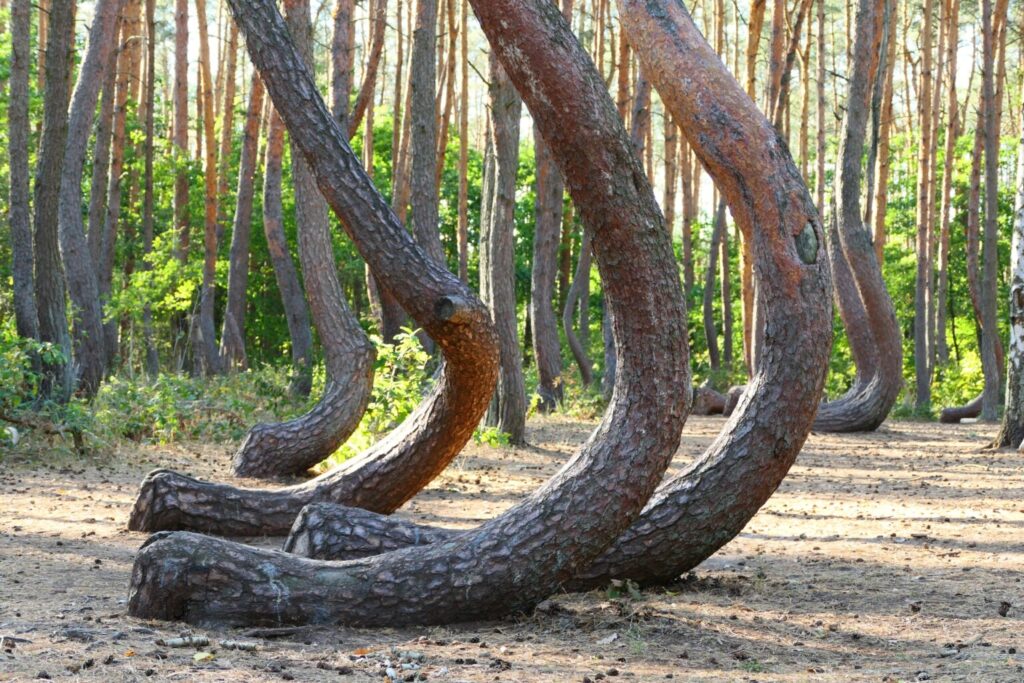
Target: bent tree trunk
point(517, 559)
point(393, 470)
point(697, 512)
point(864, 303)
point(292, 447)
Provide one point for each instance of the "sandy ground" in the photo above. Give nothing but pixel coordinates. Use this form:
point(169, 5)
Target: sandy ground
point(894, 556)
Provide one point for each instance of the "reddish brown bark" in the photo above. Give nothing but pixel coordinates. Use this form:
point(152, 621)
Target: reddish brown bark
point(517, 559)
point(689, 517)
point(864, 303)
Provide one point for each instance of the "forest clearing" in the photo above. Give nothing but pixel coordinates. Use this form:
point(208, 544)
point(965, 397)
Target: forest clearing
point(522, 340)
point(883, 556)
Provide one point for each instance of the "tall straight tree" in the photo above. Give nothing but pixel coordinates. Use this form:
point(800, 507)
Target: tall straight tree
point(26, 315)
point(148, 219)
point(87, 316)
point(990, 234)
point(49, 272)
point(424, 131)
point(497, 254)
point(923, 283)
point(232, 348)
point(296, 312)
point(204, 337)
point(1012, 433)
point(547, 231)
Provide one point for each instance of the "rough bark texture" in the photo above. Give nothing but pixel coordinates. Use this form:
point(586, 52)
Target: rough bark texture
point(49, 273)
point(26, 315)
point(1012, 433)
point(101, 162)
point(547, 231)
point(497, 256)
point(923, 284)
point(397, 467)
point(864, 303)
point(366, 90)
point(87, 317)
point(204, 337)
point(691, 516)
point(292, 297)
point(952, 24)
point(292, 447)
point(517, 559)
point(232, 341)
point(991, 367)
point(424, 131)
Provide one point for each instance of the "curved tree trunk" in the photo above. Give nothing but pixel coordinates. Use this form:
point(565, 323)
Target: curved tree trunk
point(497, 256)
point(50, 290)
point(26, 315)
point(232, 338)
point(697, 512)
point(74, 248)
point(576, 290)
point(517, 559)
point(546, 347)
point(292, 447)
point(864, 303)
point(292, 297)
point(396, 468)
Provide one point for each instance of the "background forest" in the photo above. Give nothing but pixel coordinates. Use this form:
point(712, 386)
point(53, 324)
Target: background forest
point(182, 175)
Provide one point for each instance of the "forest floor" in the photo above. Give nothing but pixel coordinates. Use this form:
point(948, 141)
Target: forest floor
point(893, 556)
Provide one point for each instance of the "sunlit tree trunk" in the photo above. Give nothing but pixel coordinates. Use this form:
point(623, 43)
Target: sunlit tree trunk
point(497, 256)
point(1012, 433)
point(952, 22)
point(152, 361)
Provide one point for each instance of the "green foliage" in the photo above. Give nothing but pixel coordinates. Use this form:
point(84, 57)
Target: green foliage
point(400, 381)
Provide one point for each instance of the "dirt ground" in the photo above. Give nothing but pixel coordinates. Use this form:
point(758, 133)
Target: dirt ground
point(893, 556)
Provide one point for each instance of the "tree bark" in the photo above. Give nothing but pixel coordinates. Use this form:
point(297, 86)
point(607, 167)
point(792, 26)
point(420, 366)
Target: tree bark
point(497, 256)
point(232, 349)
point(229, 57)
point(396, 468)
point(26, 315)
point(576, 290)
point(885, 124)
point(49, 273)
point(81, 277)
point(952, 23)
point(990, 258)
point(710, 331)
point(424, 131)
point(112, 215)
point(364, 99)
point(517, 559)
point(152, 358)
point(204, 332)
point(923, 284)
point(101, 159)
point(691, 516)
point(864, 303)
point(292, 297)
point(1011, 435)
point(292, 447)
point(180, 134)
point(548, 227)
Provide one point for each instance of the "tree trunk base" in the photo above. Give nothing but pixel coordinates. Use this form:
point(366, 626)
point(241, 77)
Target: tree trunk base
point(707, 401)
point(955, 414)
